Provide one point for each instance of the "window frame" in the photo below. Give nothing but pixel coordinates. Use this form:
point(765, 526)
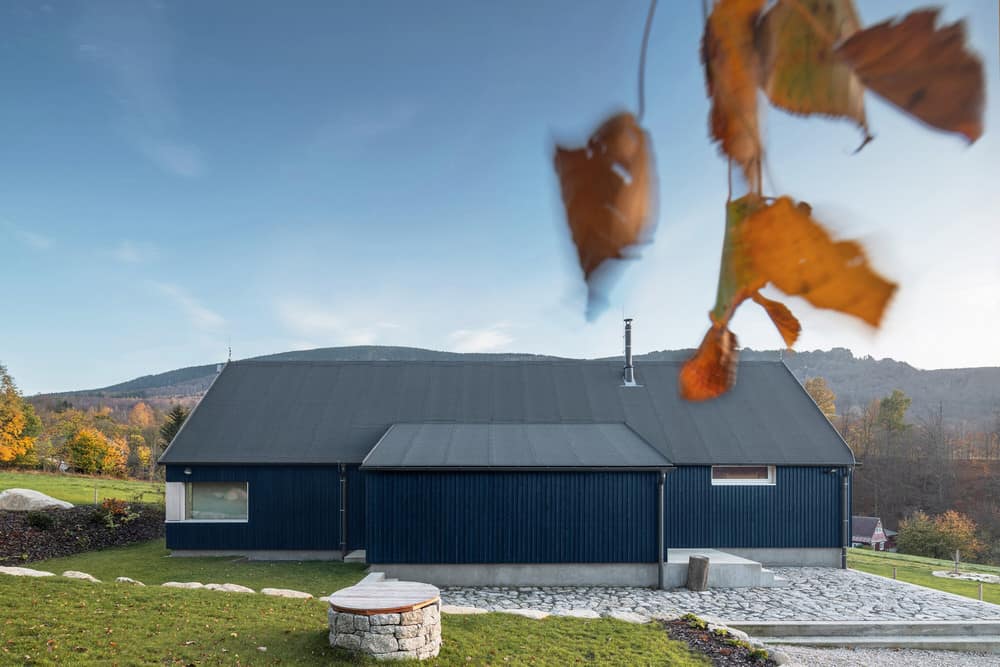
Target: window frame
point(181, 504)
point(771, 479)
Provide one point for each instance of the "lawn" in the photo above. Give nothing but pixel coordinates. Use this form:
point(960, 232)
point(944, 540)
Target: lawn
point(79, 489)
point(48, 621)
point(917, 570)
point(151, 563)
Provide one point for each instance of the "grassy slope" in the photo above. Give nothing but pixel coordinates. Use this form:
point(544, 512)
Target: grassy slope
point(79, 489)
point(918, 570)
point(49, 621)
point(151, 563)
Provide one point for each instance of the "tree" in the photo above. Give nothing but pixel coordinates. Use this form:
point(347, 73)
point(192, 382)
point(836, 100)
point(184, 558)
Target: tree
point(141, 416)
point(175, 419)
point(822, 395)
point(86, 450)
point(892, 411)
point(940, 536)
point(18, 424)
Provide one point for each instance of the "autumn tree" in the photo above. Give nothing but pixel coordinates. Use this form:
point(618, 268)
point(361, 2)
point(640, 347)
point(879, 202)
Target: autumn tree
point(86, 450)
point(141, 416)
point(19, 426)
point(822, 395)
point(940, 536)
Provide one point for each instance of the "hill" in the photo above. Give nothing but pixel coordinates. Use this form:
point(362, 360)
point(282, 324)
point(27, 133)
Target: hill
point(967, 395)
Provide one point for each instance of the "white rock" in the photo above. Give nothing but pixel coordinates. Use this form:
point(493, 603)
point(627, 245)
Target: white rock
point(183, 584)
point(129, 580)
point(628, 617)
point(527, 613)
point(577, 613)
point(285, 593)
point(73, 574)
point(25, 572)
point(325, 598)
point(24, 500)
point(229, 588)
point(460, 610)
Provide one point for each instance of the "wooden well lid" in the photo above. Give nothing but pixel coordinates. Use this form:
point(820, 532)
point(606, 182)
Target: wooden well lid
point(384, 597)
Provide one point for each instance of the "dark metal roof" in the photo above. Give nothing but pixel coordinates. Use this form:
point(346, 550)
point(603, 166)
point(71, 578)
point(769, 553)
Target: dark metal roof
point(441, 445)
point(864, 526)
point(331, 412)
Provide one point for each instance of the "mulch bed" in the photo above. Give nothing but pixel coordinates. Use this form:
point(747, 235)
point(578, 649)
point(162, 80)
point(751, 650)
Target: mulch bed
point(72, 531)
point(721, 650)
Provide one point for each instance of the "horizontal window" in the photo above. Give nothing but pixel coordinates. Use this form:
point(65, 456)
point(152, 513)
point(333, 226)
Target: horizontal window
point(215, 501)
point(742, 475)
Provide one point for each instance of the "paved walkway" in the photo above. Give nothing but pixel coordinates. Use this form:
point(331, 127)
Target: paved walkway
point(812, 594)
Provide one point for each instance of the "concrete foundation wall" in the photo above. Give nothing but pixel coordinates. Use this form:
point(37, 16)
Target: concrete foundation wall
point(525, 574)
point(804, 557)
point(260, 554)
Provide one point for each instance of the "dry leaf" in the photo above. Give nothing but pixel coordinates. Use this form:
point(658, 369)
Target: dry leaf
point(799, 70)
point(732, 72)
point(608, 189)
point(926, 72)
point(787, 324)
point(791, 250)
point(711, 372)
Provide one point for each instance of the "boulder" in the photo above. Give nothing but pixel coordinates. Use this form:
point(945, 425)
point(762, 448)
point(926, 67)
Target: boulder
point(128, 580)
point(285, 593)
point(24, 500)
point(183, 584)
point(628, 617)
point(25, 572)
point(527, 613)
point(459, 610)
point(74, 574)
point(229, 588)
point(577, 613)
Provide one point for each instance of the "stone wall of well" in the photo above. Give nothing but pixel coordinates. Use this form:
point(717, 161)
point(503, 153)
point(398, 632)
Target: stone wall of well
point(409, 635)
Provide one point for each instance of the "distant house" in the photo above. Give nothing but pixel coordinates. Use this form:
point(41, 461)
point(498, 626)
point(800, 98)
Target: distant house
point(512, 472)
point(867, 531)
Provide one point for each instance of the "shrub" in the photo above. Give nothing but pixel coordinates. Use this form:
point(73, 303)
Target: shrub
point(938, 537)
point(40, 520)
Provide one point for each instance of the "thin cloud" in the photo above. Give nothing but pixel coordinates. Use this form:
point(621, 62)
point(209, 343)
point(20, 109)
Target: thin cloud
point(316, 322)
point(488, 339)
point(29, 238)
point(129, 45)
point(198, 315)
point(130, 252)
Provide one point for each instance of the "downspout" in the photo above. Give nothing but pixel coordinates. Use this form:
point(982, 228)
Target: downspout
point(845, 511)
point(660, 528)
point(343, 511)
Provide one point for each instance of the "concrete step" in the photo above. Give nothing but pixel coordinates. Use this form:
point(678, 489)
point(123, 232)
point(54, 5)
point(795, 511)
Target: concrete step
point(356, 556)
point(789, 629)
point(725, 570)
point(982, 644)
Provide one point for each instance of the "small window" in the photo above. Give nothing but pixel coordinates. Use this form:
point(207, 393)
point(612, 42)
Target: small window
point(215, 501)
point(742, 475)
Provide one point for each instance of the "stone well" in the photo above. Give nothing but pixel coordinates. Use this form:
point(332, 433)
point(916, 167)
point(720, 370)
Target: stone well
point(388, 620)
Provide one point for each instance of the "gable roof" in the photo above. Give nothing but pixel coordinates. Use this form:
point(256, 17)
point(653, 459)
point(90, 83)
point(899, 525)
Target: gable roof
point(260, 412)
point(864, 526)
point(440, 445)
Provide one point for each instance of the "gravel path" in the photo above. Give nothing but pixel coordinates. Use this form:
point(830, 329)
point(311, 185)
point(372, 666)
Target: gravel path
point(812, 594)
point(803, 656)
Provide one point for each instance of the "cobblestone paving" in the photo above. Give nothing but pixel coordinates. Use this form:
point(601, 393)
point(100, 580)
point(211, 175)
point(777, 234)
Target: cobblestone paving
point(812, 594)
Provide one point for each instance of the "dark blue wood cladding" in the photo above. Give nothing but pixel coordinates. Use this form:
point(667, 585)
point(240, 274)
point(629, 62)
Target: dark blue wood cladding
point(511, 517)
point(289, 507)
point(802, 509)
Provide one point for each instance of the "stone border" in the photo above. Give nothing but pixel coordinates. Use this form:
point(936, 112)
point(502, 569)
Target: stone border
point(411, 635)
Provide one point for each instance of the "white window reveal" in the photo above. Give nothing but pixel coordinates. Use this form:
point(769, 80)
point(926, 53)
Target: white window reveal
point(743, 475)
point(207, 501)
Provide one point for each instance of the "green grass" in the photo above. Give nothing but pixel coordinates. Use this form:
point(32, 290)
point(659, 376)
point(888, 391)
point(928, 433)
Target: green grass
point(46, 621)
point(79, 489)
point(917, 570)
point(151, 563)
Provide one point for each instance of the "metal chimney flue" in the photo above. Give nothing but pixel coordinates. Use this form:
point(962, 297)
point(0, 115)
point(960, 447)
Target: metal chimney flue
point(629, 372)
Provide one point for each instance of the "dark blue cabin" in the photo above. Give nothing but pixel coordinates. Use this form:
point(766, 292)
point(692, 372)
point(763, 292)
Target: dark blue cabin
point(506, 472)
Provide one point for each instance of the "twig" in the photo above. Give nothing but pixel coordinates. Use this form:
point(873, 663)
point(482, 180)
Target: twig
point(642, 60)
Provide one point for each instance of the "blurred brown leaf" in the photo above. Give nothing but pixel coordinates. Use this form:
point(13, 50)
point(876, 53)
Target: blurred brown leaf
point(800, 73)
point(787, 324)
point(608, 190)
point(711, 372)
point(732, 72)
point(791, 250)
point(924, 71)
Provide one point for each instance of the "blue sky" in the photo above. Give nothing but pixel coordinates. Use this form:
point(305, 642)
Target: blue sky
point(178, 176)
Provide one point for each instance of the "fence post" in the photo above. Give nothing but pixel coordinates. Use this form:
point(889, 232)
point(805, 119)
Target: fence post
point(95, 493)
point(893, 571)
point(980, 591)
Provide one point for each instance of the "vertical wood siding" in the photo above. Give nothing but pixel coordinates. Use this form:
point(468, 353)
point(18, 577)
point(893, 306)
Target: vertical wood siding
point(289, 507)
point(511, 517)
point(801, 510)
